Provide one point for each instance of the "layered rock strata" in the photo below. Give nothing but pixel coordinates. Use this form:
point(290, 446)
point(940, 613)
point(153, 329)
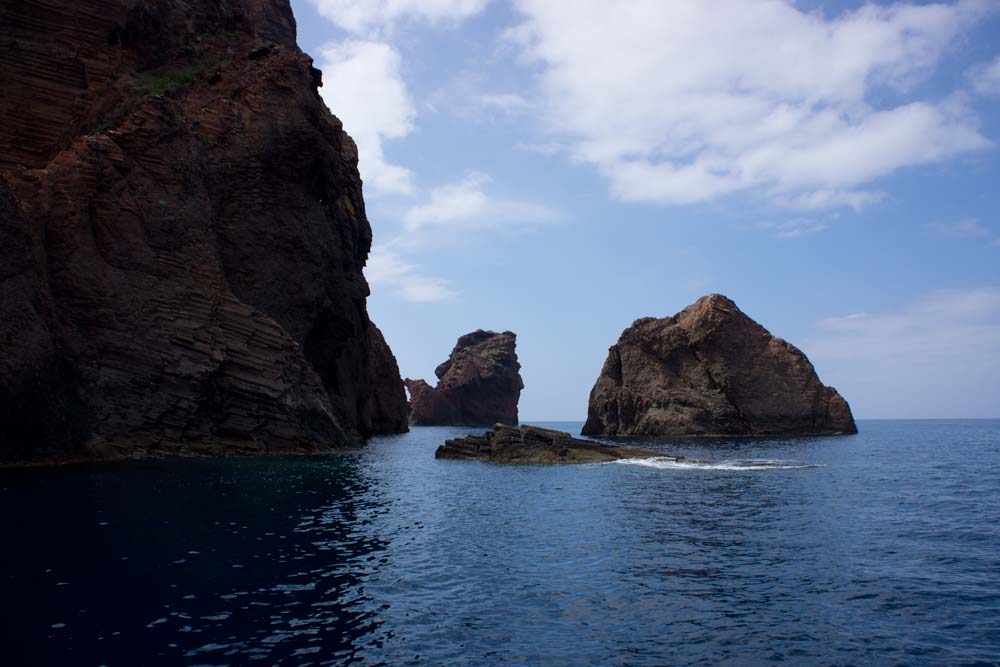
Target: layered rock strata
point(711, 370)
point(182, 238)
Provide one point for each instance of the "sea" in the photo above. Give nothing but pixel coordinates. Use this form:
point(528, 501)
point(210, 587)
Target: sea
point(881, 548)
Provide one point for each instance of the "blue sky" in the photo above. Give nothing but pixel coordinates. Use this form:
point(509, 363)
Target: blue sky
point(560, 169)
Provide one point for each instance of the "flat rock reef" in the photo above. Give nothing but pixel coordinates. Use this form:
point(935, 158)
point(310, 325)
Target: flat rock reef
point(533, 444)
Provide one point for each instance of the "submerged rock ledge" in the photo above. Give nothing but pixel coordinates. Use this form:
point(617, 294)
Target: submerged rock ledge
point(533, 444)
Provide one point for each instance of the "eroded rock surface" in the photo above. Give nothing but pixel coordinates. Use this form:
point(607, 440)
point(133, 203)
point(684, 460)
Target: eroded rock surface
point(182, 237)
point(478, 385)
point(533, 444)
point(711, 370)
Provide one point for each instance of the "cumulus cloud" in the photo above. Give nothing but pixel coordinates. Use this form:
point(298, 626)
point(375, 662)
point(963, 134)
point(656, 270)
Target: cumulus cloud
point(389, 271)
point(933, 357)
point(455, 208)
point(359, 16)
point(363, 86)
point(465, 204)
point(684, 101)
point(985, 78)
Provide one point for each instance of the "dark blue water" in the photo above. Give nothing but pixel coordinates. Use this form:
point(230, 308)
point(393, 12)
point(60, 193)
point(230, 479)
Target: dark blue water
point(876, 549)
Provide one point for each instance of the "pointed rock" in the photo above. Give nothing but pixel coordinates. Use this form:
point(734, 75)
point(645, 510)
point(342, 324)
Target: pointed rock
point(480, 384)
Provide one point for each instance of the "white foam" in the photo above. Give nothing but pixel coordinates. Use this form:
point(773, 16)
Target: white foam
point(670, 463)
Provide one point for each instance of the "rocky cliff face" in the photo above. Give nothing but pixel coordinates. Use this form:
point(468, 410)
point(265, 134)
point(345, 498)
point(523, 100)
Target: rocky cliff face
point(711, 370)
point(387, 410)
point(182, 237)
point(480, 384)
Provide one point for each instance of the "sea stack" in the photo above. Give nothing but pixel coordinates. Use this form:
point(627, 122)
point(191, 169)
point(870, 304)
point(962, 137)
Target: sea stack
point(479, 385)
point(711, 370)
point(182, 238)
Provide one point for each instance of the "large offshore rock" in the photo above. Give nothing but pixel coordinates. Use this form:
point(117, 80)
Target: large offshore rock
point(533, 444)
point(480, 384)
point(182, 238)
point(710, 370)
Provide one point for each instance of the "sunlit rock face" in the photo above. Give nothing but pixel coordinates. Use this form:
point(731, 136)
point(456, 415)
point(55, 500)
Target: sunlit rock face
point(478, 385)
point(711, 370)
point(183, 236)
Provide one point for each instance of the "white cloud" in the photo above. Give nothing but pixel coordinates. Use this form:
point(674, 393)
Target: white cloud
point(387, 270)
point(546, 148)
point(506, 102)
point(793, 229)
point(465, 204)
point(966, 228)
point(819, 199)
point(457, 207)
point(985, 78)
point(684, 101)
point(471, 95)
point(935, 357)
point(364, 88)
point(360, 16)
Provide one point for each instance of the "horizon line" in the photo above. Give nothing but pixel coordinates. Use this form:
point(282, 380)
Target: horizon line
point(859, 419)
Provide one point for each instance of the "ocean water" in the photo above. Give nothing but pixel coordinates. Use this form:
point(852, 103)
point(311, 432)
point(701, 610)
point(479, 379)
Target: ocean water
point(876, 549)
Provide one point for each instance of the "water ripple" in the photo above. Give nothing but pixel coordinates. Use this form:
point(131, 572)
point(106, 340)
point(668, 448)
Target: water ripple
point(883, 548)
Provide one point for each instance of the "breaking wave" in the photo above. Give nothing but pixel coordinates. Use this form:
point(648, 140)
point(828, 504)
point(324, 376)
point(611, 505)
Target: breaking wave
point(671, 463)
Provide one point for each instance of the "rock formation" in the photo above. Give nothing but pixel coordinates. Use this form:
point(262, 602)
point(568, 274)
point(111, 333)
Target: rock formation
point(182, 237)
point(387, 411)
point(532, 444)
point(478, 385)
point(710, 370)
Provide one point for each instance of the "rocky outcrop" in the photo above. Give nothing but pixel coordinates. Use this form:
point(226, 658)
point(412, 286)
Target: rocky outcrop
point(711, 370)
point(480, 384)
point(427, 406)
point(532, 444)
point(182, 237)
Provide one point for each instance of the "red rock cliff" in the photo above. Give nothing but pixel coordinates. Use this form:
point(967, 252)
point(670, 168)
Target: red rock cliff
point(480, 384)
point(182, 237)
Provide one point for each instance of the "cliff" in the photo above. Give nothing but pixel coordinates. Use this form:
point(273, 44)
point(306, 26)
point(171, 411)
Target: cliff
point(710, 370)
point(182, 237)
point(479, 384)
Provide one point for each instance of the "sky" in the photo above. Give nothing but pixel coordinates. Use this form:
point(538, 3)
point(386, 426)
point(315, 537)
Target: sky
point(560, 169)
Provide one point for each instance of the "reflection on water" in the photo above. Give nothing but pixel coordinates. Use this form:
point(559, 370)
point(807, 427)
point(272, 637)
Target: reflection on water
point(192, 562)
point(881, 548)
